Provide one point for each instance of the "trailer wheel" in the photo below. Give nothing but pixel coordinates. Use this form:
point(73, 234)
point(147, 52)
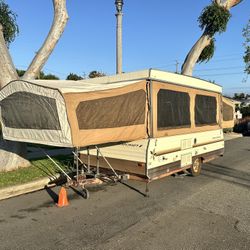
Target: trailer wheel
point(195, 170)
point(85, 193)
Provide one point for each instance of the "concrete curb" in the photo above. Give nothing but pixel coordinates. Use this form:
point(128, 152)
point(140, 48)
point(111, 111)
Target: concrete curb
point(16, 190)
point(12, 191)
point(231, 136)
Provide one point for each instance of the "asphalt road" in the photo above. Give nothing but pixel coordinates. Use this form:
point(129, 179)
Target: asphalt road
point(211, 211)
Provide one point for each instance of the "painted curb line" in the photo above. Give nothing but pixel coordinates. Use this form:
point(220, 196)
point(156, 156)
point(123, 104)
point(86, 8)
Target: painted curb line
point(16, 190)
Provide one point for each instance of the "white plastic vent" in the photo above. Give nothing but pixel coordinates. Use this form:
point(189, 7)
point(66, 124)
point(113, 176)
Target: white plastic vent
point(186, 160)
point(186, 144)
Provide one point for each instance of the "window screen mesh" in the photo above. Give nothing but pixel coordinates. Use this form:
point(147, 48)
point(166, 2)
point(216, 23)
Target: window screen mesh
point(23, 110)
point(173, 109)
point(205, 110)
point(228, 112)
point(111, 112)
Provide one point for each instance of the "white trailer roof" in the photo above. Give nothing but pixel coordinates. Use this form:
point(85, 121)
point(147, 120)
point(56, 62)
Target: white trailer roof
point(65, 86)
point(121, 80)
point(157, 75)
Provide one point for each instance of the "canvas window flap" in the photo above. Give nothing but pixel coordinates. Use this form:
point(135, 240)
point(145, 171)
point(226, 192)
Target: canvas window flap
point(228, 108)
point(173, 109)
point(31, 113)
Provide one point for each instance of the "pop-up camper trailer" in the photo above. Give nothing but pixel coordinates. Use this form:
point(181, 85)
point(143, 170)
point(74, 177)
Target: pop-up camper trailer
point(147, 124)
point(184, 127)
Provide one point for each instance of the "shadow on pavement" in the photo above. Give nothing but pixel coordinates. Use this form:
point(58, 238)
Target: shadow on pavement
point(227, 174)
point(133, 188)
point(52, 194)
point(77, 191)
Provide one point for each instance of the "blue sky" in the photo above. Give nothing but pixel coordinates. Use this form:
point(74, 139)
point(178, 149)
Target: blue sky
point(156, 33)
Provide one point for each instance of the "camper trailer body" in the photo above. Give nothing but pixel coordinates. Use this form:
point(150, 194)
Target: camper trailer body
point(171, 146)
point(146, 124)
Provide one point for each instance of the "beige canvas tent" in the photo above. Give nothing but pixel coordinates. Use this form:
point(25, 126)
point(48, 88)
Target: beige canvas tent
point(108, 109)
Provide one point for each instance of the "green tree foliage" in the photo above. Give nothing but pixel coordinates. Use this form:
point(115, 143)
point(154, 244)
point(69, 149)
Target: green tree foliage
point(8, 21)
point(207, 53)
point(212, 20)
point(245, 110)
point(94, 74)
point(42, 75)
point(74, 77)
point(239, 96)
point(20, 72)
point(246, 57)
point(49, 77)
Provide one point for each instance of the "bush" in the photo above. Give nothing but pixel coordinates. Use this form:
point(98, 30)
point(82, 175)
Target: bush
point(228, 130)
point(245, 111)
point(241, 125)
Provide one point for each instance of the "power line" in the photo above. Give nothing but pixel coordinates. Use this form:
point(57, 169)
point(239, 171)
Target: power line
point(223, 74)
point(222, 59)
point(226, 59)
point(237, 88)
point(232, 54)
point(53, 71)
point(223, 68)
point(162, 66)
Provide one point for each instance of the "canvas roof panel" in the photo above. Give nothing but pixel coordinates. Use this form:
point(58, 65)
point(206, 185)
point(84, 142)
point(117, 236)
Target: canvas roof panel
point(121, 103)
point(65, 86)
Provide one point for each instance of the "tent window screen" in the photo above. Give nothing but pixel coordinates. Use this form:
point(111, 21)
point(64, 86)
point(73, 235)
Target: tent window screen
point(205, 110)
point(228, 112)
point(173, 109)
point(23, 110)
point(111, 112)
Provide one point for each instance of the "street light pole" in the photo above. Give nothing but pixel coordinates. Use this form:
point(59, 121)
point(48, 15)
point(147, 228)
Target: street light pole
point(119, 5)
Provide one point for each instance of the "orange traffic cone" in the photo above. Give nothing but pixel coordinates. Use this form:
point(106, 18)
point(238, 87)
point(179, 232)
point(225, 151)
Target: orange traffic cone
point(62, 199)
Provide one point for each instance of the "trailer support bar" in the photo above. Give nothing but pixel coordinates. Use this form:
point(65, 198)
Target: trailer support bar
point(107, 161)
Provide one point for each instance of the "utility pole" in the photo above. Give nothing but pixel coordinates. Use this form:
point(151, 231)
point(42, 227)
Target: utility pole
point(119, 5)
point(177, 64)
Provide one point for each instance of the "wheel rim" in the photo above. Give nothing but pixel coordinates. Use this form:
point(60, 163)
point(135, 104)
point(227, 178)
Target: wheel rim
point(196, 165)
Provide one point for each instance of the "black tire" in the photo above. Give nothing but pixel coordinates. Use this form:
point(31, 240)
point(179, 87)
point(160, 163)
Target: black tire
point(85, 193)
point(195, 170)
